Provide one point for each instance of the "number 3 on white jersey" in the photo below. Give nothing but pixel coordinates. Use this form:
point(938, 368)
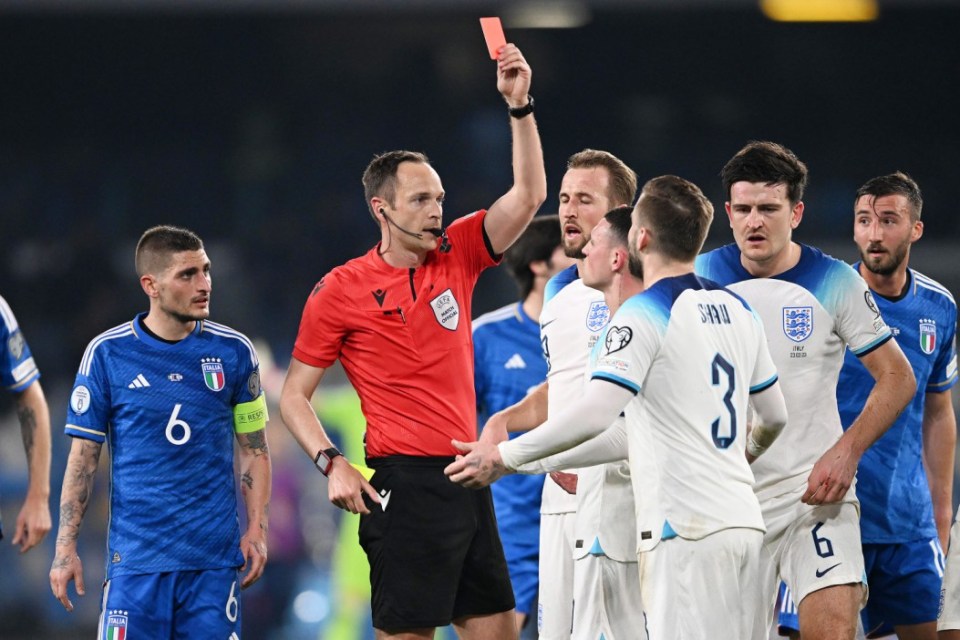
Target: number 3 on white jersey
point(172, 425)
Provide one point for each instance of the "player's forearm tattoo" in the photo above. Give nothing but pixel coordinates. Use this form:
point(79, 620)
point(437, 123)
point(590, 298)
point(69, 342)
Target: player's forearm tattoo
point(77, 489)
point(28, 427)
point(247, 480)
point(256, 442)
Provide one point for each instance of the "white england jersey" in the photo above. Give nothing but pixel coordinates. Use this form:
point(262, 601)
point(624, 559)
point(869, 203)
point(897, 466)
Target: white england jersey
point(571, 320)
point(692, 352)
point(811, 313)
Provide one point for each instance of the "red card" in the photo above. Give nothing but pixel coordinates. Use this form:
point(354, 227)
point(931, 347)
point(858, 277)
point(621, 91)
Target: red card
point(493, 34)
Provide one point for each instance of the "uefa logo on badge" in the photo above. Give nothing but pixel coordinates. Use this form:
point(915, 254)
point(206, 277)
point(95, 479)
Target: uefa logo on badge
point(928, 336)
point(798, 323)
point(213, 373)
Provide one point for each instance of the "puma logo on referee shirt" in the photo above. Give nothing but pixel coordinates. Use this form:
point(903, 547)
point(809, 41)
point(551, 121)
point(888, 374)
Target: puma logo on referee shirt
point(820, 574)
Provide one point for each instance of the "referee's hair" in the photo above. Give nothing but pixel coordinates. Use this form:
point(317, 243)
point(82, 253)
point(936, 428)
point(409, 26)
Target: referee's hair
point(894, 184)
point(157, 244)
point(538, 242)
point(380, 176)
point(767, 163)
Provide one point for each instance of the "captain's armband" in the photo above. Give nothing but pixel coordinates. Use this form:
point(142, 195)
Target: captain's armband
point(251, 416)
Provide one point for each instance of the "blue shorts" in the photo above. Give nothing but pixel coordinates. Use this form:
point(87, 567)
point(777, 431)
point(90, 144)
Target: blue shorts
point(904, 584)
point(177, 604)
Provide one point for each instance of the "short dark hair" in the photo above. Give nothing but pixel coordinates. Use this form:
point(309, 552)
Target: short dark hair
point(157, 244)
point(538, 242)
point(678, 215)
point(623, 181)
point(769, 163)
point(380, 176)
point(621, 219)
point(897, 183)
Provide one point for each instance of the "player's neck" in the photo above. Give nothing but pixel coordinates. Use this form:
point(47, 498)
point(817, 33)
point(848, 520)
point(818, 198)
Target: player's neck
point(782, 262)
point(889, 286)
point(167, 327)
point(533, 303)
point(656, 267)
point(621, 288)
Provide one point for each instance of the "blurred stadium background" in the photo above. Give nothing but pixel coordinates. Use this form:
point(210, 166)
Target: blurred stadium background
point(251, 121)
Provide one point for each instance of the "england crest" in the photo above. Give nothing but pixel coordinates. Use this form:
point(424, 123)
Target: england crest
point(798, 323)
point(598, 316)
point(213, 373)
point(117, 625)
point(928, 336)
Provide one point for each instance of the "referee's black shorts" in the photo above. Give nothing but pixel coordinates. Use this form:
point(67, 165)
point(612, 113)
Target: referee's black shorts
point(433, 547)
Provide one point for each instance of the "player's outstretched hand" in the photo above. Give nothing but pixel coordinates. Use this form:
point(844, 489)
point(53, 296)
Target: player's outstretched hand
point(253, 546)
point(832, 475)
point(33, 523)
point(567, 481)
point(66, 567)
point(479, 468)
point(347, 486)
point(513, 76)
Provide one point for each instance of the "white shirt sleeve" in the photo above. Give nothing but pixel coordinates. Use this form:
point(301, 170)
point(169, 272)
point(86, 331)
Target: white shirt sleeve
point(587, 417)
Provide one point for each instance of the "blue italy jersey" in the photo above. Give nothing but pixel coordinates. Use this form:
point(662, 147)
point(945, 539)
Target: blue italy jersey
point(17, 368)
point(166, 411)
point(508, 362)
point(891, 482)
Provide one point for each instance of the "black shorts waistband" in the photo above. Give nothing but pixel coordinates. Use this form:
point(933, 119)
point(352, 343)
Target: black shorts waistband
point(409, 461)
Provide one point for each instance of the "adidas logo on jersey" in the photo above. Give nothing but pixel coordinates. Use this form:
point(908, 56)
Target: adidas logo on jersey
point(515, 362)
point(139, 382)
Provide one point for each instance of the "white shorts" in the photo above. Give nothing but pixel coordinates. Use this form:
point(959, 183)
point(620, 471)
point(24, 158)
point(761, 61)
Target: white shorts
point(948, 616)
point(555, 606)
point(810, 548)
point(707, 588)
point(606, 600)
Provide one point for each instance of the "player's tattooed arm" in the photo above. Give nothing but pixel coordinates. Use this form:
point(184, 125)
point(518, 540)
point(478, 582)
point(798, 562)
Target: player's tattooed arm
point(33, 521)
point(74, 500)
point(255, 475)
point(255, 442)
point(77, 489)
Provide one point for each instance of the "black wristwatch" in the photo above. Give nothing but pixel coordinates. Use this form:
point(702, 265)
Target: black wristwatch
point(324, 459)
point(520, 112)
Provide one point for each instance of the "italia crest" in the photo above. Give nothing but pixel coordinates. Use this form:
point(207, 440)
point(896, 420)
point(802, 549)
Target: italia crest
point(598, 316)
point(117, 625)
point(928, 336)
point(213, 375)
point(798, 323)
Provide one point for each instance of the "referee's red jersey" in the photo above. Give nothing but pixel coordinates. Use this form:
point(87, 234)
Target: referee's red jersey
point(403, 337)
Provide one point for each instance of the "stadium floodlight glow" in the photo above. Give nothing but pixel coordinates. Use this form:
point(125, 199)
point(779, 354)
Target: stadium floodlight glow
point(546, 14)
point(820, 10)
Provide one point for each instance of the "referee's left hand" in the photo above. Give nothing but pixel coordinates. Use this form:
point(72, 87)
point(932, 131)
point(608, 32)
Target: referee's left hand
point(347, 486)
point(479, 468)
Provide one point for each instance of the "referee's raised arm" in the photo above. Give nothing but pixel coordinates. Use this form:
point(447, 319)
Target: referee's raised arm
point(510, 214)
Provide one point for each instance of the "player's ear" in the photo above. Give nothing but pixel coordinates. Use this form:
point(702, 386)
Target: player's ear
point(149, 285)
point(796, 215)
point(917, 232)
